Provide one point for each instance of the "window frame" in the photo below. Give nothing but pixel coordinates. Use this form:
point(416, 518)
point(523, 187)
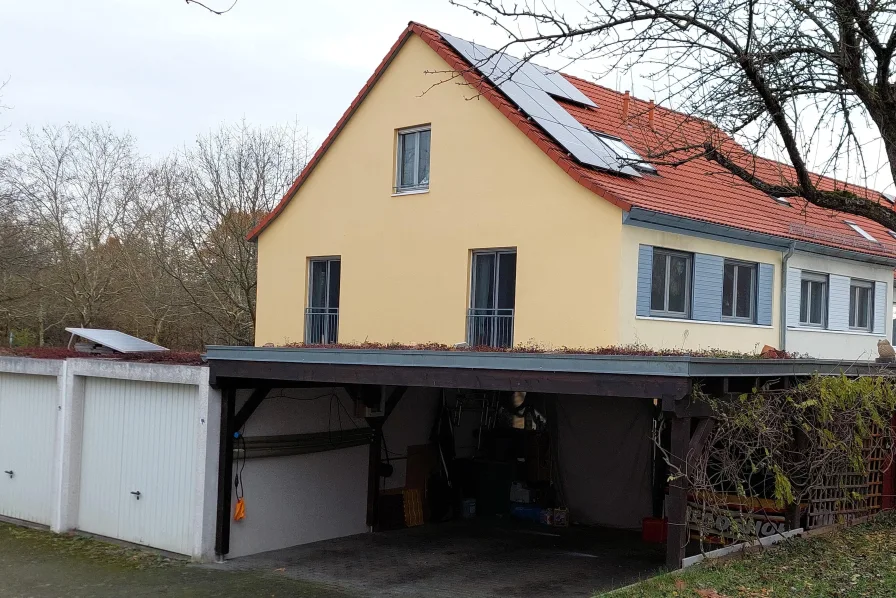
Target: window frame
point(860, 231)
point(754, 287)
point(858, 283)
point(397, 188)
point(633, 159)
point(825, 281)
point(667, 254)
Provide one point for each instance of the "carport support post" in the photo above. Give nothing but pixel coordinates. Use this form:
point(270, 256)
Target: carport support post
point(677, 501)
point(225, 473)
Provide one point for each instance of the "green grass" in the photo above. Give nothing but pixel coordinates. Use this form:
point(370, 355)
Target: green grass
point(858, 561)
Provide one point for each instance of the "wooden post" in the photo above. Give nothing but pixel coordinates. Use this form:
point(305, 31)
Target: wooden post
point(677, 502)
point(373, 472)
point(225, 473)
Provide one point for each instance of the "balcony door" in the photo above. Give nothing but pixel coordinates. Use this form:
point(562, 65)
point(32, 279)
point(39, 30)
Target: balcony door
point(492, 299)
point(322, 313)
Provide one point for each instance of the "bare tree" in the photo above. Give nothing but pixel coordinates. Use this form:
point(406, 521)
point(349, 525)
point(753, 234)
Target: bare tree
point(75, 184)
point(793, 74)
point(213, 194)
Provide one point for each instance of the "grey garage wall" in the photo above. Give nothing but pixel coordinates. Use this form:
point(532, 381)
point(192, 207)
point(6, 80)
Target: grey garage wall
point(604, 450)
point(302, 498)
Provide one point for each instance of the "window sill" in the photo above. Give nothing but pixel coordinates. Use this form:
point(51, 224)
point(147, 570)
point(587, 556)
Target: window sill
point(410, 192)
point(852, 332)
point(690, 321)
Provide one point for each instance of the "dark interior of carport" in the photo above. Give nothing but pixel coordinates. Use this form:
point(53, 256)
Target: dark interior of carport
point(548, 450)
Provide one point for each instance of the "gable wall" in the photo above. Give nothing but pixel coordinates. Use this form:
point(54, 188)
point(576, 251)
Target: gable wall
point(406, 259)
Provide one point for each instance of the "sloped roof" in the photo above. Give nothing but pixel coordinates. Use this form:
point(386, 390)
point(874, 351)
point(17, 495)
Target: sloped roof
point(698, 190)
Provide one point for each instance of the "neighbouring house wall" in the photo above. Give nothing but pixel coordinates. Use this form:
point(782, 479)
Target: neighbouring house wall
point(410, 424)
point(406, 259)
point(668, 333)
point(830, 344)
point(303, 498)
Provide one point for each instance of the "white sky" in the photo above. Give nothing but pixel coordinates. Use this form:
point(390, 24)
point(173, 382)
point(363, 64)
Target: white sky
point(167, 71)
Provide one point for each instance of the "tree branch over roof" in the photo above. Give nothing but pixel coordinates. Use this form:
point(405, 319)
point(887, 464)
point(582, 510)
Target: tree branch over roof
point(793, 75)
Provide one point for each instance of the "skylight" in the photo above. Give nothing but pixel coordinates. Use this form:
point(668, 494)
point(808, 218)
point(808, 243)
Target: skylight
point(890, 197)
point(892, 234)
point(781, 200)
point(624, 153)
point(859, 230)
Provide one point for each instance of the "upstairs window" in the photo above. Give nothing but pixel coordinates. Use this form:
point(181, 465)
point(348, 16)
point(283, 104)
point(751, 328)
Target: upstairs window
point(861, 304)
point(739, 291)
point(813, 300)
point(413, 160)
point(624, 153)
point(670, 291)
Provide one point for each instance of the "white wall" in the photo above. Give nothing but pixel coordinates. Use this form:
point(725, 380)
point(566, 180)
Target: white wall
point(302, 498)
point(829, 344)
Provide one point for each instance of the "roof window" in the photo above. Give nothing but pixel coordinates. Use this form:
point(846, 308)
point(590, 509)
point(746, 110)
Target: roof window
point(624, 153)
point(859, 230)
point(890, 197)
point(781, 200)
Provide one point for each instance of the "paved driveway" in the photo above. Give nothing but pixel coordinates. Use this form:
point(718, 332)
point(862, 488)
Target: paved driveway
point(469, 560)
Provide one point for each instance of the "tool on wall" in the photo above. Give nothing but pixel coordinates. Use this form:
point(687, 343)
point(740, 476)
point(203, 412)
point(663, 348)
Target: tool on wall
point(239, 510)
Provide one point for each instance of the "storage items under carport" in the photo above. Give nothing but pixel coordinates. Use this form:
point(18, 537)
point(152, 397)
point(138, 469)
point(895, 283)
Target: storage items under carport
point(498, 454)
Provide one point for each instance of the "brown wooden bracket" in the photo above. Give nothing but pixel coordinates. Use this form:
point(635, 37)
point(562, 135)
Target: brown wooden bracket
point(246, 411)
point(394, 397)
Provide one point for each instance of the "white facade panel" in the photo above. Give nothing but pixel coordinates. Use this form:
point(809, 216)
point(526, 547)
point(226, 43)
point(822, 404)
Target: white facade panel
point(139, 437)
point(28, 407)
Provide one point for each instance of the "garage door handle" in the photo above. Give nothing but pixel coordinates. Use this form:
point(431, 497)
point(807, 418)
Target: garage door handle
point(137, 494)
point(9, 472)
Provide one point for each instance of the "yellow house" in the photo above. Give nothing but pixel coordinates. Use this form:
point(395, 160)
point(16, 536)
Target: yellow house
point(451, 204)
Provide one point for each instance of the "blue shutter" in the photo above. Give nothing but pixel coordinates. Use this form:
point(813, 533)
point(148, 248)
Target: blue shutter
point(707, 287)
point(794, 288)
point(838, 302)
point(765, 294)
point(880, 307)
point(645, 277)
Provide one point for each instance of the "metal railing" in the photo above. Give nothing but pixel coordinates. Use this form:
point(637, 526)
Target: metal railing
point(489, 327)
point(321, 325)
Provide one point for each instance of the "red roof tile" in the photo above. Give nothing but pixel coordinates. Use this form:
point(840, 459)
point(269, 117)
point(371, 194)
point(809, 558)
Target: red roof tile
point(698, 189)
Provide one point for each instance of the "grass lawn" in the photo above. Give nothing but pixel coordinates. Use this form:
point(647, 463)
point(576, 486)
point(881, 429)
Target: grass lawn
point(859, 561)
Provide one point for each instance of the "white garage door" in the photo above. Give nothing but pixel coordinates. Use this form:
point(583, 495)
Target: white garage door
point(137, 462)
point(27, 446)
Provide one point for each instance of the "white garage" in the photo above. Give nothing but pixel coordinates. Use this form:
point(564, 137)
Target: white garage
point(138, 462)
point(28, 408)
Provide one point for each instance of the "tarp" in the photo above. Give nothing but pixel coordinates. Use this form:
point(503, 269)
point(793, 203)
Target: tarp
point(603, 454)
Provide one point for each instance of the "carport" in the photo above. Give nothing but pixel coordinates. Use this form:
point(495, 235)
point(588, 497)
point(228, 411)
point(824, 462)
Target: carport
point(392, 387)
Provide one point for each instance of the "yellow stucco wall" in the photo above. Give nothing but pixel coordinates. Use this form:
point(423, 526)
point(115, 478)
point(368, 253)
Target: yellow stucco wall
point(690, 334)
point(406, 259)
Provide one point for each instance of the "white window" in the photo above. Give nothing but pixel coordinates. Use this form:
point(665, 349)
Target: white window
point(859, 230)
point(670, 289)
point(624, 153)
point(861, 304)
point(412, 163)
point(739, 291)
point(813, 300)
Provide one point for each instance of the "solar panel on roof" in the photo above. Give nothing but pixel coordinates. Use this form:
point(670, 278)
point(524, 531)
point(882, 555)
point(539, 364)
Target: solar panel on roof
point(115, 340)
point(533, 88)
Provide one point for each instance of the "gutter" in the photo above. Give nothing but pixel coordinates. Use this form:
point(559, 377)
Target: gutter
point(783, 307)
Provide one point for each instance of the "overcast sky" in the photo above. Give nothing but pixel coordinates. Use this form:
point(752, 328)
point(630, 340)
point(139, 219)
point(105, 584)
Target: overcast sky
point(167, 71)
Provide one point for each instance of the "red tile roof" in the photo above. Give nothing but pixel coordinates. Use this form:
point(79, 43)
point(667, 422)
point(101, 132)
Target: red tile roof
point(698, 190)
